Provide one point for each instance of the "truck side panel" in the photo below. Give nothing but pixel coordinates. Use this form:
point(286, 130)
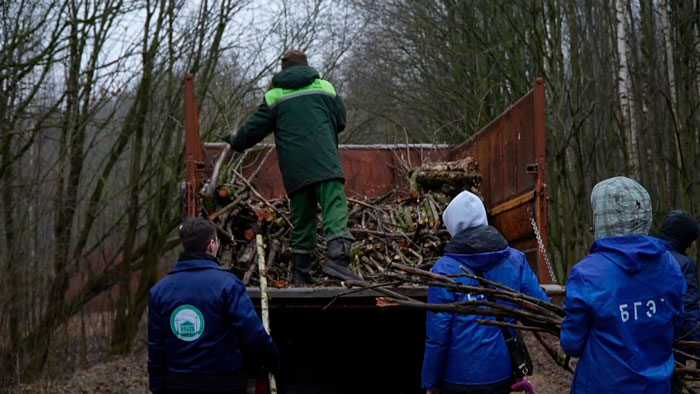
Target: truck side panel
point(511, 151)
point(370, 170)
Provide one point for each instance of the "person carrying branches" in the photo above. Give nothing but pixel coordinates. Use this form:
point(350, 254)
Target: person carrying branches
point(306, 115)
point(462, 355)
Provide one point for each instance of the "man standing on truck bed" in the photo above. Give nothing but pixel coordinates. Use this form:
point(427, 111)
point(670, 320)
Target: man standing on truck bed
point(306, 115)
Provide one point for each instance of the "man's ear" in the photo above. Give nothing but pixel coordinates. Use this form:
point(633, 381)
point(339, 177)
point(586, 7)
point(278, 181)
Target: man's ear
point(211, 245)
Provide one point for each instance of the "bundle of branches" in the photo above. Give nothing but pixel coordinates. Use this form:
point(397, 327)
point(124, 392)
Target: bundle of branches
point(240, 213)
point(449, 178)
point(387, 229)
point(529, 313)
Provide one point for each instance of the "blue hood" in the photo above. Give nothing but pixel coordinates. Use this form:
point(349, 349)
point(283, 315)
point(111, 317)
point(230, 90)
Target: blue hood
point(631, 253)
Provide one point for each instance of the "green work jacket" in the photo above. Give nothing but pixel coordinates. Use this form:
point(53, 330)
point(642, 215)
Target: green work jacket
point(306, 115)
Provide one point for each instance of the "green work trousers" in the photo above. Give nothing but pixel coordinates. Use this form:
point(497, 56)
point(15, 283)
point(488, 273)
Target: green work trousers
point(334, 210)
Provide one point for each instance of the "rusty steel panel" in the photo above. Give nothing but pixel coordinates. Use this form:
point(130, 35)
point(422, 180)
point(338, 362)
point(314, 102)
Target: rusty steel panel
point(511, 151)
point(371, 170)
point(504, 149)
point(514, 223)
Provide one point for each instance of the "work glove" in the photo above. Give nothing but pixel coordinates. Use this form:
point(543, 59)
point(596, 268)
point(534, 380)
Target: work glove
point(228, 138)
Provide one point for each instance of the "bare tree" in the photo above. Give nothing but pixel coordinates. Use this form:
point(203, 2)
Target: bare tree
point(93, 90)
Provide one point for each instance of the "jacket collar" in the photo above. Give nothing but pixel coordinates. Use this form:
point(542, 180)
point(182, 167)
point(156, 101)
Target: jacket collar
point(474, 240)
point(631, 253)
point(196, 260)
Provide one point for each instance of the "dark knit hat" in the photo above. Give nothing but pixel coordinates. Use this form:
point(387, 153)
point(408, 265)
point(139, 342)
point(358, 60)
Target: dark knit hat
point(293, 58)
point(681, 229)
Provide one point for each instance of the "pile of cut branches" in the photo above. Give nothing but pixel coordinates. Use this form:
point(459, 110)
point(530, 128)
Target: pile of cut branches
point(542, 318)
point(397, 227)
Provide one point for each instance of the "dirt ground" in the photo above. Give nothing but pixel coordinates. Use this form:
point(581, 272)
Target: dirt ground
point(128, 375)
point(547, 377)
point(115, 375)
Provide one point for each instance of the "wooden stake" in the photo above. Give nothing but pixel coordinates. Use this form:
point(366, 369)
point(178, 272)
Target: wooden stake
point(264, 300)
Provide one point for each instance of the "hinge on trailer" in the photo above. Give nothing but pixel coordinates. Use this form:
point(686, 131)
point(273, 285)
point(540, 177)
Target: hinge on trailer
point(531, 168)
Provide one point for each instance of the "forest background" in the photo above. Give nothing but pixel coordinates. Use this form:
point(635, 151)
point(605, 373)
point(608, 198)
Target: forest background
point(92, 136)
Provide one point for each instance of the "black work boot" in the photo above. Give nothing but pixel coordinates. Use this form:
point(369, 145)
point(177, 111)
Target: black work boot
point(339, 260)
point(301, 269)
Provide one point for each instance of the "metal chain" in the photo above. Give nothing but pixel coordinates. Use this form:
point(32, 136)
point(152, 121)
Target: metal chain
point(543, 249)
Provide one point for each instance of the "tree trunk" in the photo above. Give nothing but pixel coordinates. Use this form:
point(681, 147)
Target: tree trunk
point(673, 91)
point(123, 327)
point(72, 155)
point(629, 135)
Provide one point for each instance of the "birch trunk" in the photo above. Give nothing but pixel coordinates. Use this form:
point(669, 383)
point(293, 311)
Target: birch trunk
point(629, 135)
point(264, 300)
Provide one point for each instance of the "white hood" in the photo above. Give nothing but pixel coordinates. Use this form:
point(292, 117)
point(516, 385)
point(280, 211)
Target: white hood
point(464, 211)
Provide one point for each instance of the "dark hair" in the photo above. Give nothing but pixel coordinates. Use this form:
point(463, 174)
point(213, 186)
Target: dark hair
point(196, 233)
point(293, 58)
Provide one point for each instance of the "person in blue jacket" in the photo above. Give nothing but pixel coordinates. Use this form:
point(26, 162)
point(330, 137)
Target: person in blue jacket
point(680, 229)
point(201, 322)
point(624, 301)
point(461, 355)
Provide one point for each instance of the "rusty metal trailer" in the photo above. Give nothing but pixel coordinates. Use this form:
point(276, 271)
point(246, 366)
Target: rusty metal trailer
point(345, 344)
point(511, 151)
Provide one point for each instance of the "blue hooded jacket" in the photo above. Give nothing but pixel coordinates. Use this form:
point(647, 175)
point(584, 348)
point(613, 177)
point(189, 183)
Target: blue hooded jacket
point(200, 323)
point(680, 230)
point(459, 350)
point(624, 308)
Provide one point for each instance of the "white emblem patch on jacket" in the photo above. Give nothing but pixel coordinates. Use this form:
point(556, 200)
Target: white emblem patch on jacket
point(187, 323)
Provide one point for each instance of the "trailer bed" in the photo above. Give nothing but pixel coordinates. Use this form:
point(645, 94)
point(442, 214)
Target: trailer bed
point(340, 296)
